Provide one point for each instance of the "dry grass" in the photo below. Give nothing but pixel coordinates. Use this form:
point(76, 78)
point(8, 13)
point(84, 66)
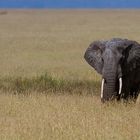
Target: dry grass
point(65, 103)
point(32, 42)
point(41, 117)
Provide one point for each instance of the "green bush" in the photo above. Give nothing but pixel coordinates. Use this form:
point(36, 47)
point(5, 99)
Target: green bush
point(48, 83)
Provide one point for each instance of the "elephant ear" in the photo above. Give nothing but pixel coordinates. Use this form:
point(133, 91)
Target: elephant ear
point(93, 55)
point(132, 56)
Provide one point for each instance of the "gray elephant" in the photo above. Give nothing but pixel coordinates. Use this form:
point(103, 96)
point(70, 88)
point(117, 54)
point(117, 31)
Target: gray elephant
point(118, 61)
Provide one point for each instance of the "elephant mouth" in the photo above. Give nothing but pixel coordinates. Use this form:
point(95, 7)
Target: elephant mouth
point(118, 91)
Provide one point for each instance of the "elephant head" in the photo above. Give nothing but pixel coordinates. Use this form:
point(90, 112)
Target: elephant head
point(115, 60)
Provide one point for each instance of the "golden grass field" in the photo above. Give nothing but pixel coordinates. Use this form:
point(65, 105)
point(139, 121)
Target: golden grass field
point(47, 90)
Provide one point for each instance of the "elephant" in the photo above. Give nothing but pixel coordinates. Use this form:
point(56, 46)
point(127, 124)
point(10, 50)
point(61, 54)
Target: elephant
point(118, 61)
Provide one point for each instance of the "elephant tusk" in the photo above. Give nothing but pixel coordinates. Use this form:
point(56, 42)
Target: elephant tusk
point(102, 88)
point(120, 85)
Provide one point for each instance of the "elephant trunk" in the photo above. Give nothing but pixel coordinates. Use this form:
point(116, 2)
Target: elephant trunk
point(108, 88)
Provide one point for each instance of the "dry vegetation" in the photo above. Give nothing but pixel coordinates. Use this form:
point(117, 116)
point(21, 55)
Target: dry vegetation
point(66, 117)
point(47, 91)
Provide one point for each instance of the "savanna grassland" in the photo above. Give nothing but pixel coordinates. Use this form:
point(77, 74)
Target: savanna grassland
point(47, 90)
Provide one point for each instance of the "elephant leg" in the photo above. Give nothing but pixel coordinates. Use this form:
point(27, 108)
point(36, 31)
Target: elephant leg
point(125, 93)
point(118, 97)
point(125, 97)
point(134, 94)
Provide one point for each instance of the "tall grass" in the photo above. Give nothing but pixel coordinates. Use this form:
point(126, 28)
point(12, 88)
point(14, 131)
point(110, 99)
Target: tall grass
point(66, 117)
point(47, 83)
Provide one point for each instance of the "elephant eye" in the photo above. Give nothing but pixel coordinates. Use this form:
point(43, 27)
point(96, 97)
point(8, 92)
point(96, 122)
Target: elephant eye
point(102, 59)
point(121, 59)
